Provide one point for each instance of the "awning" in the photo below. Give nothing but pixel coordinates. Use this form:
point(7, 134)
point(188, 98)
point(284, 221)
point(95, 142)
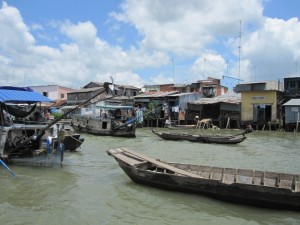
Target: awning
point(21, 95)
point(113, 107)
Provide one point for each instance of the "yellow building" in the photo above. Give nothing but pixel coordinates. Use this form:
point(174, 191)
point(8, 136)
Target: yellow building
point(260, 105)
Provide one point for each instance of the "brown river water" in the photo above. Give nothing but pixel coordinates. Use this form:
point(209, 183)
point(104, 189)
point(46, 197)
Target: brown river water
point(91, 188)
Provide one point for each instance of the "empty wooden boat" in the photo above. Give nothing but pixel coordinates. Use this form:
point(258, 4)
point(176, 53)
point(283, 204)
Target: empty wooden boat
point(218, 139)
point(252, 187)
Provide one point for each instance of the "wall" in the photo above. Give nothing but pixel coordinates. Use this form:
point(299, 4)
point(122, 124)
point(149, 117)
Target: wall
point(249, 98)
point(291, 113)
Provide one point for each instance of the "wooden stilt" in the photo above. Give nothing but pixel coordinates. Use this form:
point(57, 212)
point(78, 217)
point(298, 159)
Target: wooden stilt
point(228, 123)
point(297, 125)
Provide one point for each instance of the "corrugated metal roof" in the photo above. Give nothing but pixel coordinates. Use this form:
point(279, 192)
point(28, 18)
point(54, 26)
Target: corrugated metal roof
point(231, 98)
point(17, 95)
point(86, 90)
point(295, 102)
point(158, 94)
point(182, 94)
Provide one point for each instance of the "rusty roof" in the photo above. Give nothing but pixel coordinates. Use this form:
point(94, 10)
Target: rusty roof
point(230, 97)
point(159, 94)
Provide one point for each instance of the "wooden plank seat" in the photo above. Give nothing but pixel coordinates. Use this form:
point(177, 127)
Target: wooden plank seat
point(216, 173)
point(270, 179)
point(286, 180)
point(229, 176)
point(204, 171)
point(258, 177)
point(297, 183)
point(244, 176)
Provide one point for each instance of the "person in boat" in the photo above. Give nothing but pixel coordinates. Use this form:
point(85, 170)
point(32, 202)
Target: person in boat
point(47, 115)
point(196, 120)
point(5, 119)
point(248, 129)
point(118, 114)
point(37, 116)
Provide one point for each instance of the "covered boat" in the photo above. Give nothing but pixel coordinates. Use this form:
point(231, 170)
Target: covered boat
point(36, 142)
point(218, 139)
point(252, 187)
point(22, 140)
point(110, 122)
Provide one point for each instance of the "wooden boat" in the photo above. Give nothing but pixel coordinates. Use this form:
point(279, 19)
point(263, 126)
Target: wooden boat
point(251, 187)
point(218, 139)
point(24, 141)
point(177, 126)
point(15, 149)
point(72, 140)
point(106, 124)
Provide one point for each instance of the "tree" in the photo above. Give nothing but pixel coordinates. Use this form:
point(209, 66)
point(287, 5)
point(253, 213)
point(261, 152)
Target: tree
point(152, 112)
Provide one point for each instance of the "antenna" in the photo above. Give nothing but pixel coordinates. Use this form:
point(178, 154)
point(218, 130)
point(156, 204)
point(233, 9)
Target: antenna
point(240, 46)
point(173, 70)
point(204, 67)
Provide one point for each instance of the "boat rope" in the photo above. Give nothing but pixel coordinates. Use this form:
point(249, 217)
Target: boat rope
point(70, 135)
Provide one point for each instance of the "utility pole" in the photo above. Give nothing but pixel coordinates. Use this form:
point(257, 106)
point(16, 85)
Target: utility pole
point(204, 67)
point(240, 46)
point(173, 71)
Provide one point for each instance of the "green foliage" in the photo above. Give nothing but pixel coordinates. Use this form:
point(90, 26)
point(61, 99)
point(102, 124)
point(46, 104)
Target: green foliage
point(56, 115)
point(152, 112)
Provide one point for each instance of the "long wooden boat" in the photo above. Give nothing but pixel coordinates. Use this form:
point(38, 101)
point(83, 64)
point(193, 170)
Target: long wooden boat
point(106, 124)
point(72, 139)
point(177, 126)
point(251, 187)
point(218, 139)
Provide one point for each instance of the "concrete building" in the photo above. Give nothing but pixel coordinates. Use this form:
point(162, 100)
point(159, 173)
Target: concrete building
point(261, 103)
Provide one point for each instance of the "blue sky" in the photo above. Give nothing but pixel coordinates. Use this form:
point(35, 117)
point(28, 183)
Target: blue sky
point(137, 42)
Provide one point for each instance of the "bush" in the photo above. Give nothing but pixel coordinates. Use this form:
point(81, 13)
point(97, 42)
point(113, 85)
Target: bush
point(56, 115)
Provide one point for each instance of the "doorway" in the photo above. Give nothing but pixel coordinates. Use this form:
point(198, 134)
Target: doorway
point(262, 113)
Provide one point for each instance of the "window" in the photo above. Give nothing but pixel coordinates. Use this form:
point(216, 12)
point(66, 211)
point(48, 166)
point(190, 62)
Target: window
point(292, 84)
point(62, 95)
point(45, 94)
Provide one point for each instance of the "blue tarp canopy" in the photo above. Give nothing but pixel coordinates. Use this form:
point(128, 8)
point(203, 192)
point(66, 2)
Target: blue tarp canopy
point(21, 95)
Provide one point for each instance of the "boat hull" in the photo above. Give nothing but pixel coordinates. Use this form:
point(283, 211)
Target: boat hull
point(252, 193)
point(73, 141)
point(201, 138)
point(102, 127)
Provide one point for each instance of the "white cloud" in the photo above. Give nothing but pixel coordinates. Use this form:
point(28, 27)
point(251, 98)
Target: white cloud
point(161, 79)
point(190, 31)
point(273, 50)
point(83, 59)
point(14, 33)
point(186, 27)
point(209, 65)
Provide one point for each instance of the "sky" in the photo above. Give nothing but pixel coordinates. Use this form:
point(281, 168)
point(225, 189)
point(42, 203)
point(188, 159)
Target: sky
point(138, 42)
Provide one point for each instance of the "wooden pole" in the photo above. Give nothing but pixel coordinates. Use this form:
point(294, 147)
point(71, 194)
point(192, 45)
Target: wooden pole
point(297, 125)
point(228, 122)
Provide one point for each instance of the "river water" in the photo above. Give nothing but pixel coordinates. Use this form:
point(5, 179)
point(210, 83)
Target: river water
point(91, 188)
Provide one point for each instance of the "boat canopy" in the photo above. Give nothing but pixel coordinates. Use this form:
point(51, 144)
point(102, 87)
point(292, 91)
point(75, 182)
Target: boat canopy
point(17, 95)
point(114, 107)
